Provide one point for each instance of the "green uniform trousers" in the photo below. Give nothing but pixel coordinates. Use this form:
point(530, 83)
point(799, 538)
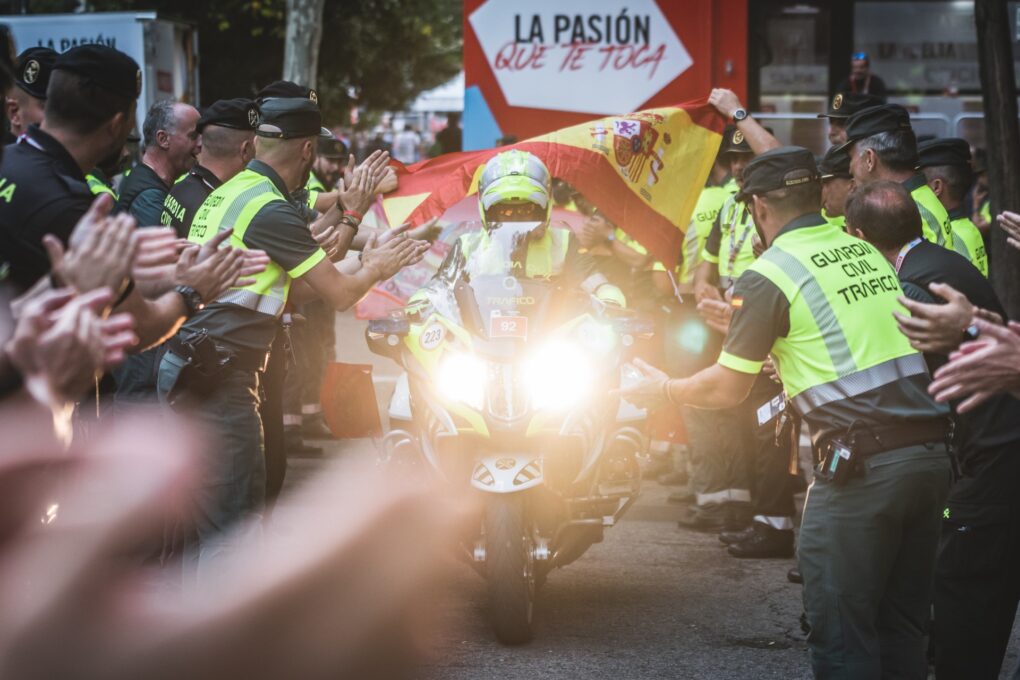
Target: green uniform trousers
point(867, 554)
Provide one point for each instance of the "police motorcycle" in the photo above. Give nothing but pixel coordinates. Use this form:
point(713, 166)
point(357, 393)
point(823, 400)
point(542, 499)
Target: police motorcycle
point(506, 390)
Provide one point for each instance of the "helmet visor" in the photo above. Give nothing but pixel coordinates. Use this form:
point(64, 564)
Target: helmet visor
point(515, 212)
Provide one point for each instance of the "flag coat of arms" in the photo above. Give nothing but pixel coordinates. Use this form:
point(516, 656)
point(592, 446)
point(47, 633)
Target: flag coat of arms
point(644, 170)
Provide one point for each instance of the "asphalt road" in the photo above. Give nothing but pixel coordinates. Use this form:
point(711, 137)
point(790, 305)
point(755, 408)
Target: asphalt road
point(650, 601)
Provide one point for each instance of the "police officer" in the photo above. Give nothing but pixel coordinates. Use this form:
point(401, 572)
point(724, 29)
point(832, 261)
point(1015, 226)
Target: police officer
point(171, 139)
point(881, 145)
point(946, 165)
point(314, 340)
point(26, 99)
point(224, 347)
point(837, 181)
point(976, 576)
point(171, 143)
point(227, 128)
point(515, 187)
point(841, 107)
point(90, 108)
point(720, 440)
point(44, 189)
point(820, 302)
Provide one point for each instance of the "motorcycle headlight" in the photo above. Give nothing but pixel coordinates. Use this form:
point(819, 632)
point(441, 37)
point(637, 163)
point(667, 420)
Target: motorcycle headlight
point(461, 377)
point(558, 376)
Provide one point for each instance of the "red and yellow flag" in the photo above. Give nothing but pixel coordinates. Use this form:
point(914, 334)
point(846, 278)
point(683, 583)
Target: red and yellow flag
point(644, 170)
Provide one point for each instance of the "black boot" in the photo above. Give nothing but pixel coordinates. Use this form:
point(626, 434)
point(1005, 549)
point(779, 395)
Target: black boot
point(731, 537)
point(295, 445)
point(764, 542)
point(794, 575)
point(704, 518)
point(314, 427)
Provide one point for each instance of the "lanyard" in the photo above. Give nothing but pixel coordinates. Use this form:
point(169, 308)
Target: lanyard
point(736, 247)
point(903, 252)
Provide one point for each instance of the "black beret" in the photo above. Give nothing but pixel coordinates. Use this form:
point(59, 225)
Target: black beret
point(945, 151)
point(284, 89)
point(105, 67)
point(835, 164)
point(290, 118)
point(32, 72)
point(786, 166)
point(875, 120)
point(332, 147)
point(734, 142)
point(239, 114)
point(846, 104)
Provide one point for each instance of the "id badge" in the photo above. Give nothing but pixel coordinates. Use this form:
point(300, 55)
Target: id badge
point(770, 409)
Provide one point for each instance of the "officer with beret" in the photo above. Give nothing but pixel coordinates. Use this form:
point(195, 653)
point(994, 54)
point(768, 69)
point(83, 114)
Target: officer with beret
point(90, 110)
point(214, 364)
point(946, 164)
point(837, 181)
point(842, 106)
point(821, 303)
point(27, 97)
point(881, 145)
point(228, 144)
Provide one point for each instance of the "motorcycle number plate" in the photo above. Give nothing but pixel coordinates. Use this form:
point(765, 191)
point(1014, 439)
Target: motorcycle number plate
point(508, 327)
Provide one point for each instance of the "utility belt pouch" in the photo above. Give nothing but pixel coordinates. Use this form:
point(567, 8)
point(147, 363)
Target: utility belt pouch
point(205, 362)
point(838, 462)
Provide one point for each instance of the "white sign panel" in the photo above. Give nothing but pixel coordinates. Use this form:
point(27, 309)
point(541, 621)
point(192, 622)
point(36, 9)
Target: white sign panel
point(576, 55)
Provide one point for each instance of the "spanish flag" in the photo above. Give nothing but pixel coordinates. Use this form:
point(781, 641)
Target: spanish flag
point(644, 170)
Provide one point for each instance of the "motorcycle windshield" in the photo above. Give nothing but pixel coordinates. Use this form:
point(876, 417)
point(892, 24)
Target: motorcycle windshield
point(507, 307)
point(502, 250)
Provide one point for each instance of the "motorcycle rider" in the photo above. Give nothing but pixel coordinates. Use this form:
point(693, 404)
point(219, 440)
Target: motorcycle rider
point(516, 187)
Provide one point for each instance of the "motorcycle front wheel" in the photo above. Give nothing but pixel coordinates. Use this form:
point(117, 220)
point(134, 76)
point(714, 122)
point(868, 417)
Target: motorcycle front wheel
point(509, 569)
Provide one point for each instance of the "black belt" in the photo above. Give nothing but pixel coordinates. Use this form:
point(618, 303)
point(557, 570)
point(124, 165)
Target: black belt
point(868, 441)
point(208, 356)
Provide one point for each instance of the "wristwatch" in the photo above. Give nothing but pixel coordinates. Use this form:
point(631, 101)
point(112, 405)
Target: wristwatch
point(192, 300)
point(739, 115)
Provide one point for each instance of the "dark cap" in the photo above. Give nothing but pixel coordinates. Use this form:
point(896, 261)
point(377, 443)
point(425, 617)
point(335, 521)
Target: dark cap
point(835, 164)
point(33, 69)
point(846, 104)
point(290, 118)
point(237, 114)
point(787, 166)
point(945, 151)
point(734, 142)
point(284, 89)
point(104, 66)
point(875, 120)
point(331, 148)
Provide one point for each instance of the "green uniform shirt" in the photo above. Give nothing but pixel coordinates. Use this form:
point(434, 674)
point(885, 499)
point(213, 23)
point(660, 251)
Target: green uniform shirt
point(934, 218)
point(837, 221)
point(710, 201)
point(967, 240)
point(314, 187)
point(279, 229)
point(99, 184)
point(820, 302)
point(730, 242)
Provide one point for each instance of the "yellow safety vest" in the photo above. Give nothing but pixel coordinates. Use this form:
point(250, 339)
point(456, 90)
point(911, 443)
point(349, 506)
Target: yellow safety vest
point(233, 205)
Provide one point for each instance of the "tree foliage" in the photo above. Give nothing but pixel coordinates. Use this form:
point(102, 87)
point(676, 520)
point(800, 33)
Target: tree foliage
point(376, 54)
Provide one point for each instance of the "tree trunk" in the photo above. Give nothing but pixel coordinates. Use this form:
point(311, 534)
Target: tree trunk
point(998, 88)
point(304, 34)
